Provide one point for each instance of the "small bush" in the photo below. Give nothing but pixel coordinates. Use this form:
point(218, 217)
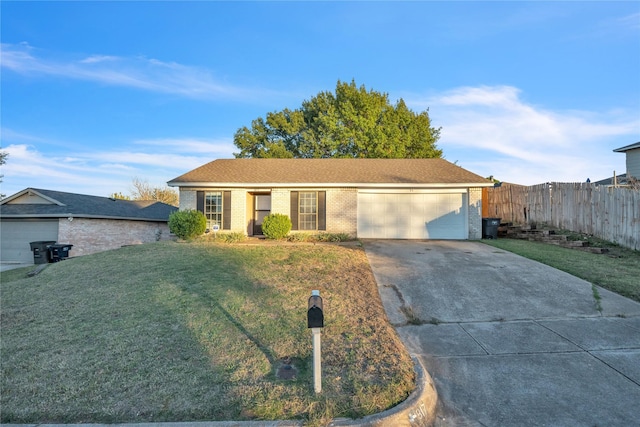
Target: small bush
point(276, 226)
point(187, 224)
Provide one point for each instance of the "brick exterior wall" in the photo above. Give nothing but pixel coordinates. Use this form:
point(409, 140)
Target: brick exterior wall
point(475, 213)
point(187, 199)
point(341, 209)
point(90, 236)
point(281, 201)
point(239, 220)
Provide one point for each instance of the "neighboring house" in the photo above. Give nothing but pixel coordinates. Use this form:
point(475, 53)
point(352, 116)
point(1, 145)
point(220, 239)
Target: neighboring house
point(366, 198)
point(614, 180)
point(633, 159)
point(90, 223)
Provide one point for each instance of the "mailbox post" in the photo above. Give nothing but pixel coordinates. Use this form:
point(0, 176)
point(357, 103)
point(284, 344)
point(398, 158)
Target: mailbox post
point(315, 321)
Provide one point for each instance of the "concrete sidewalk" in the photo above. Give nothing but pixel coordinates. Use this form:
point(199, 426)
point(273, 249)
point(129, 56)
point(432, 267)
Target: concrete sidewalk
point(509, 341)
point(6, 266)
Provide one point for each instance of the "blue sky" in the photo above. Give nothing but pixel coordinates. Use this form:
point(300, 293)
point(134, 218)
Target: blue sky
point(97, 93)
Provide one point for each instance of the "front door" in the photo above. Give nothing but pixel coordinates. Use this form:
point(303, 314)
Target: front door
point(262, 208)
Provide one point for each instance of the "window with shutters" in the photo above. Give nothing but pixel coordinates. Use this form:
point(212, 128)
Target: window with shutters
point(213, 208)
point(308, 210)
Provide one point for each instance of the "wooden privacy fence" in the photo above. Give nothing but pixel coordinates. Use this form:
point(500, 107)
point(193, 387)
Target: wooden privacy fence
point(610, 213)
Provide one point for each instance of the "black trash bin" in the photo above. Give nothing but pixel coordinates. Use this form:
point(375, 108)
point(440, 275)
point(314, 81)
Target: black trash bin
point(58, 252)
point(490, 228)
point(40, 251)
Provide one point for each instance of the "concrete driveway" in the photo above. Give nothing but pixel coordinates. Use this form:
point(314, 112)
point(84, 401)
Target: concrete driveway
point(509, 341)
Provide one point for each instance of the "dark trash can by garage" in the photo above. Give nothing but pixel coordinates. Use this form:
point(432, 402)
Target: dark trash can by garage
point(40, 251)
point(490, 228)
point(59, 252)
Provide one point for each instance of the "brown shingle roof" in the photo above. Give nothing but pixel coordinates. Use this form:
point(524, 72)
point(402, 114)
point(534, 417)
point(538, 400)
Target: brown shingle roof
point(328, 171)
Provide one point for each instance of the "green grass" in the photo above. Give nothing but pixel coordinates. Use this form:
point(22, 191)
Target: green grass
point(617, 271)
point(196, 331)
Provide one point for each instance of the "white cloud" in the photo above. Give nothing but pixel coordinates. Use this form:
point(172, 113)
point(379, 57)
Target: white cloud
point(137, 72)
point(117, 166)
point(492, 131)
point(98, 58)
point(11, 135)
point(631, 21)
point(625, 25)
point(219, 148)
point(104, 172)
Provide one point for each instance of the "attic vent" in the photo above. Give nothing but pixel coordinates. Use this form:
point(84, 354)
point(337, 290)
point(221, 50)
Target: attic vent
point(112, 198)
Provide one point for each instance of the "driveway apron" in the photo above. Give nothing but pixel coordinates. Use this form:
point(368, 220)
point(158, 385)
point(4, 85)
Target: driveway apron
point(509, 341)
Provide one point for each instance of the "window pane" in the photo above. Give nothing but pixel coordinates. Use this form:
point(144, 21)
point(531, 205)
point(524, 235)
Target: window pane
point(263, 203)
point(307, 217)
point(213, 208)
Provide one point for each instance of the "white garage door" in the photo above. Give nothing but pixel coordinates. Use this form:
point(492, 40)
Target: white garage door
point(15, 236)
point(412, 216)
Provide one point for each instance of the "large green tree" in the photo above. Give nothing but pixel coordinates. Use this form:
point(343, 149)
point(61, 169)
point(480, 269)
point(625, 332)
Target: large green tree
point(352, 122)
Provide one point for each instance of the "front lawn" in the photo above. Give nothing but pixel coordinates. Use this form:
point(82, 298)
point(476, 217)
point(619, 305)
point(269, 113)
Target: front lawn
point(196, 331)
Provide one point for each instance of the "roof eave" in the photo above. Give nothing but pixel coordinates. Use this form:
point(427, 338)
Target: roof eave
point(327, 184)
point(627, 148)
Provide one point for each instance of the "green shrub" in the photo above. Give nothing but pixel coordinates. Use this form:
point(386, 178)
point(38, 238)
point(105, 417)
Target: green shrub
point(187, 224)
point(276, 226)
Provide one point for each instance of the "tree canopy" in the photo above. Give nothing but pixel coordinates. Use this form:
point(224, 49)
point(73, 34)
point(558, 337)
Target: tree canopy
point(351, 123)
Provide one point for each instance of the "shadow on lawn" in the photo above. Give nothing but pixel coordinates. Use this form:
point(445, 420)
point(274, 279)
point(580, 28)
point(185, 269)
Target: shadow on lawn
point(203, 296)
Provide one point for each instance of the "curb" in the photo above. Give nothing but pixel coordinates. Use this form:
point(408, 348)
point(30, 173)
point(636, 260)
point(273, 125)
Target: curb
point(418, 410)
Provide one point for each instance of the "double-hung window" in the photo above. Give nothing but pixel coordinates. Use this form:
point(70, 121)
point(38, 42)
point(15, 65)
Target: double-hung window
point(213, 208)
point(216, 207)
point(308, 213)
point(308, 210)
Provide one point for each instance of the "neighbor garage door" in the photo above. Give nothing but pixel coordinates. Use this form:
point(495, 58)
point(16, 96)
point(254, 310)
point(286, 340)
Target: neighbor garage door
point(412, 215)
point(15, 236)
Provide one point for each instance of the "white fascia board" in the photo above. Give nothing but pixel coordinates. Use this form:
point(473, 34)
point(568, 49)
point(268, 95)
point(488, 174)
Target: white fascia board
point(327, 184)
point(31, 191)
point(439, 190)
